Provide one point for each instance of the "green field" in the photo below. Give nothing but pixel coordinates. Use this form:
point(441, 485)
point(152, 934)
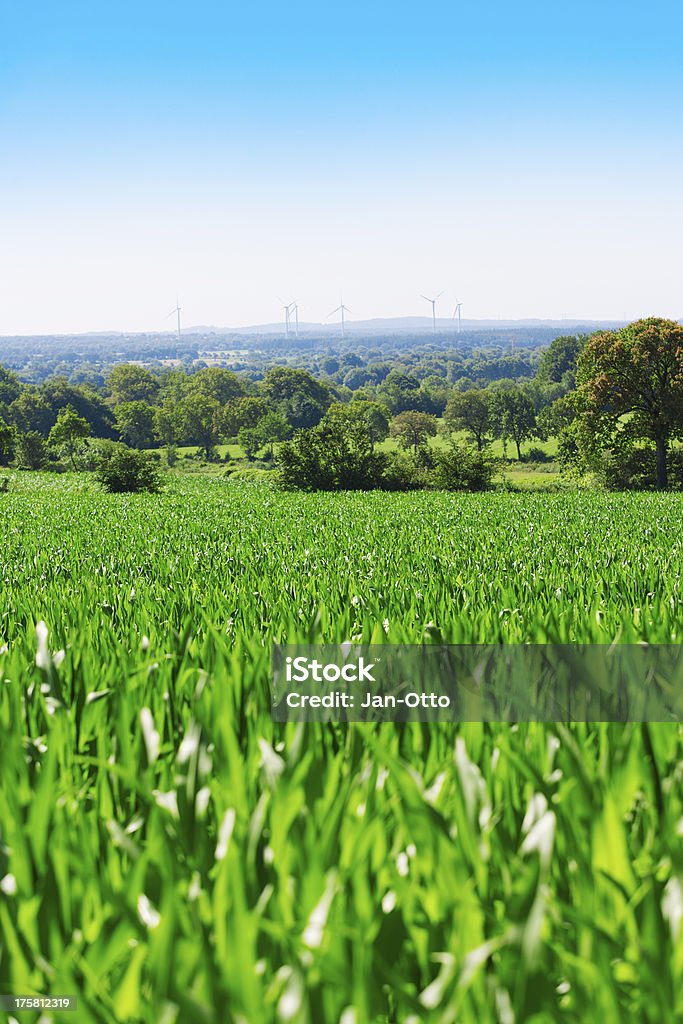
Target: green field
point(169, 855)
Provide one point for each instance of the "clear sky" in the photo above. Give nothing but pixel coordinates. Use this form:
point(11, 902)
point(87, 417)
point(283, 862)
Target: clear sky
point(525, 158)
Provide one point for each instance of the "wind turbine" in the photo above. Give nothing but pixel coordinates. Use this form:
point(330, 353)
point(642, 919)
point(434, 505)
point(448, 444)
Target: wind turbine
point(456, 312)
point(343, 309)
point(287, 306)
point(433, 302)
point(177, 312)
point(295, 305)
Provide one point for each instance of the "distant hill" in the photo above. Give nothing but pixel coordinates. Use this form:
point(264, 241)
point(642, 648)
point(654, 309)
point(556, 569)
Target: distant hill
point(408, 324)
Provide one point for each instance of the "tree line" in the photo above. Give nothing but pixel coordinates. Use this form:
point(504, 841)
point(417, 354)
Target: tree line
point(613, 399)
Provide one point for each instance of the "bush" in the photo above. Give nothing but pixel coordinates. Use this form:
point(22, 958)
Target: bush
point(635, 469)
point(404, 472)
point(330, 457)
point(121, 469)
point(459, 468)
point(31, 451)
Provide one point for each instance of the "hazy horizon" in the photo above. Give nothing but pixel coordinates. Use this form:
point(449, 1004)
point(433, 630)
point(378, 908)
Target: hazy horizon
point(525, 160)
point(381, 327)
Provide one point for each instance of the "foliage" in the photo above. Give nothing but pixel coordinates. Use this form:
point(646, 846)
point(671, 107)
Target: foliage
point(633, 467)
point(637, 373)
point(8, 437)
point(250, 441)
point(130, 383)
point(558, 362)
point(136, 423)
point(301, 398)
point(69, 433)
point(272, 428)
point(470, 410)
point(330, 457)
point(30, 451)
point(405, 471)
point(512, 415)
point(121, 469)
point(411, 429)
point(373, 416)
point(460, 468)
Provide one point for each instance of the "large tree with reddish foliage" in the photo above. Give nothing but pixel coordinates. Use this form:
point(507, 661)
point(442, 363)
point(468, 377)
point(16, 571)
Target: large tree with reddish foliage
point(631, 381)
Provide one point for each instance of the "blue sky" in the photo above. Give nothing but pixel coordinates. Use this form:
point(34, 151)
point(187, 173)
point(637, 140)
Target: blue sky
point(524, 158)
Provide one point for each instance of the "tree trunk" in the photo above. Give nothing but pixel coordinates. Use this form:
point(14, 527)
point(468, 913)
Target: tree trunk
point(662, 474)
point(519, 450)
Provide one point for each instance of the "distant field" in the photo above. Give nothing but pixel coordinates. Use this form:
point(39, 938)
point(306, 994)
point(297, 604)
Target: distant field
point(169, 855)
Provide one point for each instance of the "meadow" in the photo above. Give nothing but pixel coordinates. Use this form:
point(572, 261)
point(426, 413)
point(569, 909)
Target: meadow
point(169, 855)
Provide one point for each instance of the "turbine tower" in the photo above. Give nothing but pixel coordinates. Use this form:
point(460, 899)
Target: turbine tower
point(433, 302)
point(343, 309)
point(177, 312)
point(287, 306)
point(295, 306)
point(456, 313)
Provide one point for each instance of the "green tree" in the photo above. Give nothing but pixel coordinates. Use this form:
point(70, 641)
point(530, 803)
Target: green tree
point(244, 412)
point(31, 413)
point(216, 382)
point(30, 450)
point(469, 410)
point(556, 418)
point(10, 386)
point(558, 362)
point(59, 393)
point(167, 423)
point(130, 383)
point(374, 416)
point(631, 382)
point(199, 421)
point(512, 415)
point(69, 433)
point(401, 391)
point(301, 398)
point(8, 437)
point(250, 441)
point(411, 429)
point(272, 428)
point(136, 422)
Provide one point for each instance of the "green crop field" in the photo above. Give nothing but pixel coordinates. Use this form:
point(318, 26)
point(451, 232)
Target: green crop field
point(168, 855)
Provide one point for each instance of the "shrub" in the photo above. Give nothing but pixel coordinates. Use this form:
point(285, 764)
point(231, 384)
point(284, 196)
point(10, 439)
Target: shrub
point(460, 468)
point(31, 450)
point(635, 469)
point(122, 469)
point(404, 472)
point(330, 457)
